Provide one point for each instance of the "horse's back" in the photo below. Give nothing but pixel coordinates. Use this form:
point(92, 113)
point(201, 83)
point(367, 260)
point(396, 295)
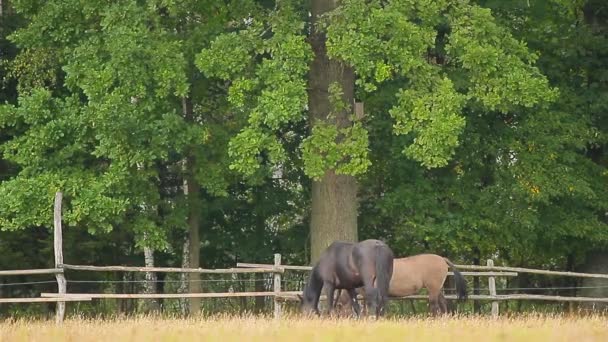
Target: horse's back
point(334, 251)
point(367, 251)
point(345, 257)
point(412, 273)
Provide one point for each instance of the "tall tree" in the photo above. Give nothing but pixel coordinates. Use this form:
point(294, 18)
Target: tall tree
point(334, 195)
point(450, 56)
point(108, 116)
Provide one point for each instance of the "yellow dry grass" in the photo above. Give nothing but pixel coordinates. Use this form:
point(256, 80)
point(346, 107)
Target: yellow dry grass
point(531, 328)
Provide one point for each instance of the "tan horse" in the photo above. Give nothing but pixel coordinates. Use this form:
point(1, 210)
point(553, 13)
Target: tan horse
point(413, 273)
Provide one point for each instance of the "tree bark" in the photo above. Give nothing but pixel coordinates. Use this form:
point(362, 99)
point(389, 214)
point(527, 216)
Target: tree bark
point(261, 238)
point(334, 197)
point(152, 305)
point(184, 277)
point(195, 243)
point(150, 277)
point(192, 194)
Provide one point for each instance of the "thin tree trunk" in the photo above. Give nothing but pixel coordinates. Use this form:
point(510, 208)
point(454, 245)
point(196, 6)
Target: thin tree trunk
point(334, 197)
point(184, 284)
point(195, 242)
point(261, 239)
point(152, 305)
point(150, 277)
point(259, 287)
point(572, 283)
point(476, 285)
point(127, 306)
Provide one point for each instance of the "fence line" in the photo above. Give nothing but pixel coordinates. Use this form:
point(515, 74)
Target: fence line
point(43, 300)
point(169, 269)
point(29, 283)
point(308, 268)
point(158, 295)
point(292, 296)
point(285, 267)
point(282, 281)
point(30, 272)
point(462, 267)
point(276, 269)
point(532, 270)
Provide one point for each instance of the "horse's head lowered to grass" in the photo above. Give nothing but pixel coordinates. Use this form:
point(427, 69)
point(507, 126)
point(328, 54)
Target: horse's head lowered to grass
point(347, 266)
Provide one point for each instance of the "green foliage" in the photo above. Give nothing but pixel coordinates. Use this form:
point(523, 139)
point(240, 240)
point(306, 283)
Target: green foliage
point(329, 148)
point(433, 112)
point(99, 133)
point(499, 67)
point(267, 62)
point(526, 184)
point(246, 148)
point(385, 41)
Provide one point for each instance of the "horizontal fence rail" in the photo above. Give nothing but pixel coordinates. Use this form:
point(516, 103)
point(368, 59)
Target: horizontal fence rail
point(157, 295)
point(293, 296)
point(286, 267)
point(171, 269)
point(43, 300)
point(461, 267)
point(30, 272)
point(301, 268)
point(532, 271)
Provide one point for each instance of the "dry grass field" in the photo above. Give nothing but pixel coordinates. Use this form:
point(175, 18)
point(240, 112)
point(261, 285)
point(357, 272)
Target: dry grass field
point(531, 328)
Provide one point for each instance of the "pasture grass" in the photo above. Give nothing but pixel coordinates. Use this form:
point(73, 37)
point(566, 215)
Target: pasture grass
point(224, 329)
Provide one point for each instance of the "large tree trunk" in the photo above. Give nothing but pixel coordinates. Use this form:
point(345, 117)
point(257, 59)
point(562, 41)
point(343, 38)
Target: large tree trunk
point(195, 243)
point(334, 197)
point(192, 194)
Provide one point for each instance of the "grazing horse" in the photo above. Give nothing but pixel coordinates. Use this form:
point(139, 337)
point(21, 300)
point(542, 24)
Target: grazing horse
point(347, 266)
point(412, 274)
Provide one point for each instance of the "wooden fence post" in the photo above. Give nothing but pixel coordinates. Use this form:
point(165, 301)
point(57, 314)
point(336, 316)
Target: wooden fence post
point(58, 246)
point(492, 287)
point(277, 287)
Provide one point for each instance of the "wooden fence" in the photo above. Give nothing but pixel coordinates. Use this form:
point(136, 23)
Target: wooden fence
point(277, 269)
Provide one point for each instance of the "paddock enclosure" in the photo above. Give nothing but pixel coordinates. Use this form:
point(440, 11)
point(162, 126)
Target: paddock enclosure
point(281, 284)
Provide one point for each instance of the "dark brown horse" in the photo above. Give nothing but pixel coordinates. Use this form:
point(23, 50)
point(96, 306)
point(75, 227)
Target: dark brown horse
point(347, 266)
point(413, 273)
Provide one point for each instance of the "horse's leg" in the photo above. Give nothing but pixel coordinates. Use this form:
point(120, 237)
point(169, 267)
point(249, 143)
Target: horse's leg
point(371, 300)
point(434, 301)
point(443, 303)
point(329, 288)
point(433, 306)
point(353, 298)
point(337, 300)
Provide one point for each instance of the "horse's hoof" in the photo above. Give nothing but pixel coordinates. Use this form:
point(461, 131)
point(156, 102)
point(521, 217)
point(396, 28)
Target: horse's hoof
point(373, 317)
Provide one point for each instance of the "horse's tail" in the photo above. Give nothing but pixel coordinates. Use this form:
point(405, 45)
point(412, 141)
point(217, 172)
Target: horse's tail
point(384, 271)
point(461, 284)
